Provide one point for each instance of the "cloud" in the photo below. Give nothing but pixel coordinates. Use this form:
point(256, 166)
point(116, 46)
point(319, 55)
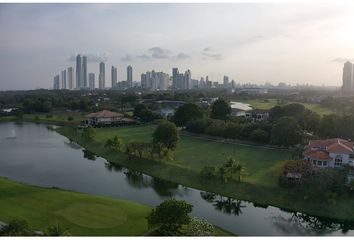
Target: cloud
point(91, 57)
point(127, 58)
point(182, 56)
point(208, 55)
point(342, 60)
point(159, 53)
point(144, 57)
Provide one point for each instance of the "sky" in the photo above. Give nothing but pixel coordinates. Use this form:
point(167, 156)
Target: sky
point(296, 43)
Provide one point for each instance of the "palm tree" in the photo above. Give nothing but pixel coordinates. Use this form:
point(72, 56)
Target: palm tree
point(56, 230)
point(240, 170)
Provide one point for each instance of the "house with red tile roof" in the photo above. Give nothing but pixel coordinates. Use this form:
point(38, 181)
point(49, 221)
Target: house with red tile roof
point(106, 117)
point(334, 152)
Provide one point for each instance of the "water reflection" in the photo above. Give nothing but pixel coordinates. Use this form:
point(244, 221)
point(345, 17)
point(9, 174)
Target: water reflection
point(224, 204)
point(72, 144)
point(113, 167)
point(89, 155)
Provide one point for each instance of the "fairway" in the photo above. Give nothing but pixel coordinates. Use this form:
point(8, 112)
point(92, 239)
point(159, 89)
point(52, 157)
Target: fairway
point(195, 153)
point(82, 214)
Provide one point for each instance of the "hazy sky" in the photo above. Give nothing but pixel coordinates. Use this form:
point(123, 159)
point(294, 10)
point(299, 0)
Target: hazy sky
point(257, 43)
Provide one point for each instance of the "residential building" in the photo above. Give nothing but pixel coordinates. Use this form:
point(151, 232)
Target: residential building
point(106, 117)
point(56, 84)
point(70, 78)
point(334, 152)
point(130, 76)
point(78, 72)
point(84, 72)
point(348, 77)
point(91, 81)
point(101, 76)
point(63, 79)
point(114, 77)
point(226, 82)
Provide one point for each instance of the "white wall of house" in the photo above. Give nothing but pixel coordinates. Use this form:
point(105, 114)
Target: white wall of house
point(345, 159)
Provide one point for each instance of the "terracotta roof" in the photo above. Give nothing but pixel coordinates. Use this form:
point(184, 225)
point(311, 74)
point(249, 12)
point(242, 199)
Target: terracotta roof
point(104, 114)
point(317, 155)
point(336, 145)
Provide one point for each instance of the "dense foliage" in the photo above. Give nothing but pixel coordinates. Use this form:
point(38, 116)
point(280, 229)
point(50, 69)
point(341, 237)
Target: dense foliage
point(220, 109)
point(168, 217)
point(166, 134)
point(187, 113)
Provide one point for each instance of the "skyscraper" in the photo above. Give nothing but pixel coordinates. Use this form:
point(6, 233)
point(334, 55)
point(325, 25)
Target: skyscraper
point(84, 72)
point(130, 76)
point(78, 72)
point(91, 77)
point(348, 75)
point(143, 80)
point(226, 81)
point(187, 80)
point(114, 77)
point(101, 76)
point(56, 85)
point(70, 78)
point(175, 78)
point(63, 79)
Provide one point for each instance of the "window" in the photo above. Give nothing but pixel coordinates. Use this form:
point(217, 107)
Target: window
point(338, 161)
point(324, 163)
point(319, 163)
point(314, 162)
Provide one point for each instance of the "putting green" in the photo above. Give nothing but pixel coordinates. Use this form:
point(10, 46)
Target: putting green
point(91, 215)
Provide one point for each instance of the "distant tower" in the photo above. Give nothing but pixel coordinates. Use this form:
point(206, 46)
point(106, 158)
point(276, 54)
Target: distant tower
point(130, 76)
point(78, 71)
point(175, 78)
point(348, 77)
point(56, 85)
point(226, 82)
point(187, 80)
point(101, 76)
point(70, 78)
point(91, 77)
point(114, 77)
point(63, 79)
point(84, 72)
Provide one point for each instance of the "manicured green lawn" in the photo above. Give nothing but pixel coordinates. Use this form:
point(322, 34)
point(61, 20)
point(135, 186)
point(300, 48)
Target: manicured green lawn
point(269, 103)
point(195, 153)
point(82, 214)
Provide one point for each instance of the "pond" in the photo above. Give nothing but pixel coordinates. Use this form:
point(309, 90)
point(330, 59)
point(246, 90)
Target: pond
point(35, 154)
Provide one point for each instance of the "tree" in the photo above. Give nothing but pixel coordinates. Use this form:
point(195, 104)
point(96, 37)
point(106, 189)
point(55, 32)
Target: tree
point(286, 132)
point(208, 173)
point(138, 110)
point(297, 152)
point(117, 143)
point(187, 113)
point(17, 227)
point(199, 227)
point(166, 134)
point(310, 121)
point(168, 217)
point(259, 135)
point(89, 133)
point(220, 109)
point(234, 167)
point(56, 230)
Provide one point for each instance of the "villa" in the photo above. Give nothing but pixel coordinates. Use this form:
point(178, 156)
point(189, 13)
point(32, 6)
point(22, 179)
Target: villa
point(334, 152)
point(105, 117)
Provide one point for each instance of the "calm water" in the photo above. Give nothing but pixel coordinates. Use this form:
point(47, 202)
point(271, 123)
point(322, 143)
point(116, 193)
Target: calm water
point(42, 157)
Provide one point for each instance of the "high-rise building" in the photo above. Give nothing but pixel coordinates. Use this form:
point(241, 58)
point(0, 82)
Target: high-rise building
point(84, 72)
point(187, 80)
point(101, 76)
point(155, 80)
point(63, 79)
point(91, 77)
point(226, 82)
point(114, 77)
point(348, 75)
point(175, 78)
point(70, 78)
point(78, 72)
point(143, 80)
point(56, 84)
point(130, 76)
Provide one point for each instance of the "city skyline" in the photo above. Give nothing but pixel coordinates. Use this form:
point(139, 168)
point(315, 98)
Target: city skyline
point(250, 43)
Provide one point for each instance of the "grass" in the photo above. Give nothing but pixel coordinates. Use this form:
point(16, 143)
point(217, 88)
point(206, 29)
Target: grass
point(195, 153)
point(259, 186)
point(82, 214)
point(269, 103)
point(59, 118)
